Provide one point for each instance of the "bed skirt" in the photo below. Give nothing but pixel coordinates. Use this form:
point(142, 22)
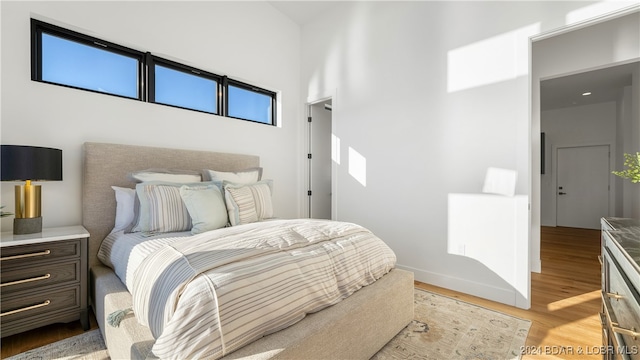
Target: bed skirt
point(355, 328)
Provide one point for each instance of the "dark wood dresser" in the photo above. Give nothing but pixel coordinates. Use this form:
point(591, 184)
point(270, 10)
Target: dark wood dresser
point(43, 279)
point(620, 288)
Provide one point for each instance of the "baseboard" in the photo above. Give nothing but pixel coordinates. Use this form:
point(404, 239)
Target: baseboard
point(501, 295)
point(536, 266)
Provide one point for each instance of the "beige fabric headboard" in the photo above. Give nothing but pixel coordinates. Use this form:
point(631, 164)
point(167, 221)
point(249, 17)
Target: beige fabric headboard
point(105, 165)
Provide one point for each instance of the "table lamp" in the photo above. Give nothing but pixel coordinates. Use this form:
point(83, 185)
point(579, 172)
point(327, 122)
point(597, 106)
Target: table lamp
point(29, 163)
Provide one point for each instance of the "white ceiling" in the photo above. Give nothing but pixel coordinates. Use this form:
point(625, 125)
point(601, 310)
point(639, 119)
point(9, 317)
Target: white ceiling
point(604, 85)
point(302, 12)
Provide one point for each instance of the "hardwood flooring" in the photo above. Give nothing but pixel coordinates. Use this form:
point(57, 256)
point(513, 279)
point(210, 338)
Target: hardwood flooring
point(564, 307)
point(18, 343)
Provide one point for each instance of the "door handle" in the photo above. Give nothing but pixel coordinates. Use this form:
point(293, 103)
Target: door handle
point(562, 193)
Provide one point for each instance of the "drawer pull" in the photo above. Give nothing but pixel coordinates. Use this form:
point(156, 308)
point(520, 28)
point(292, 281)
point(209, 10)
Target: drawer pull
point(607, 311)
point(615, 296)
point(43, 277)
point(47, 302)
point(22, 256)
point(631, 332)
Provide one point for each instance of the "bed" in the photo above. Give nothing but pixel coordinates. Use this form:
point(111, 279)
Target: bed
point(353, 328)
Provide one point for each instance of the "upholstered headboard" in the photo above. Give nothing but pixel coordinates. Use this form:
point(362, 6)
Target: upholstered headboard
point(106, 165)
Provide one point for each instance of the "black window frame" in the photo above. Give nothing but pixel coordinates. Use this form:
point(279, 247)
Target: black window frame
point(239, 84)
point(153, 60)
point(39, 27)
point(146, 71)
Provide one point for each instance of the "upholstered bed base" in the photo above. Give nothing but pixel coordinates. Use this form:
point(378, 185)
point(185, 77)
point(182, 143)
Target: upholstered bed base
point(355, 328)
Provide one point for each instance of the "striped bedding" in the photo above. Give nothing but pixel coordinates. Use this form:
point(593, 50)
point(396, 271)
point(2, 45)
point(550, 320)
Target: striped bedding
point(206, 295)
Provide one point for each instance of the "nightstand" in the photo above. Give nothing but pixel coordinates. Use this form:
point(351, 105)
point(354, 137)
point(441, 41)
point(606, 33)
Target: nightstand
point(44, 278)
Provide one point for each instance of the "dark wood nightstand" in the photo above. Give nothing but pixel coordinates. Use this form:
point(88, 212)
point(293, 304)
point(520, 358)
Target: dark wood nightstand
point(44, 278)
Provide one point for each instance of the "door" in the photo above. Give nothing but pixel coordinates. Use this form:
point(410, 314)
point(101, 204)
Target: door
point(320, 160)
point(582, 194)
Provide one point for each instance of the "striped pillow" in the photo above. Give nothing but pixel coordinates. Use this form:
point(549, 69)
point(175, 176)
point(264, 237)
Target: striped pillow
point(247, 203)
point(162, 208)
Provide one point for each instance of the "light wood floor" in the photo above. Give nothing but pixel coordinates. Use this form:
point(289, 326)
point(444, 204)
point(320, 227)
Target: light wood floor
point(564, 307)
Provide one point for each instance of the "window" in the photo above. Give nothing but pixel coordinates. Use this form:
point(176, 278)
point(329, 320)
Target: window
point(250, 103)
point(63, 57)
point(182, 86)
point(67, 58)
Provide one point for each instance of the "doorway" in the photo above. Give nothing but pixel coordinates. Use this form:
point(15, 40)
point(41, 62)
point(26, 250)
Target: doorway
point(320, 163)
point(582, 180)
point(547, 61)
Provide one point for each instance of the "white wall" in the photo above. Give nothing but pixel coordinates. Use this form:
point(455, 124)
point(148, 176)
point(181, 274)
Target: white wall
point(250, 41)
point(630, 190)
point(574, 126)
point(429, 94)
point(628, 142)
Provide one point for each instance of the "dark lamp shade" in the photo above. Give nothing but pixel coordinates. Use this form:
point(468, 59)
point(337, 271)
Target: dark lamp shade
point(21, 163)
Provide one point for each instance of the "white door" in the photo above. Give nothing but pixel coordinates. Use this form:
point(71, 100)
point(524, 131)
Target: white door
point(582, 194)
point(320, 150)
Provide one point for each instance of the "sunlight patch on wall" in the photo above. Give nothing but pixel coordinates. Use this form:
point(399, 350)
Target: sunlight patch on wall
point(493, 229)
point(594, 10)
point(500, 58)
point(335, 149)
point(358, 166)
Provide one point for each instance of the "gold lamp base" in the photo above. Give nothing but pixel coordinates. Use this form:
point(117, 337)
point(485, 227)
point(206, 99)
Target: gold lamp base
point(27, 226)
point(28, 209)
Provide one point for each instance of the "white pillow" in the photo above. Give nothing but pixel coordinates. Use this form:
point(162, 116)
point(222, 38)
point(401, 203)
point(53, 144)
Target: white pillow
point(125, 198)
point(246, 176)
point(166, 175)
point(247, 203)
point(206, 207)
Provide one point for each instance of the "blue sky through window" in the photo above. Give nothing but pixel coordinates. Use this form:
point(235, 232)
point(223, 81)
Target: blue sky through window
point(186, 90)
point(71, 63)
point(250, 105)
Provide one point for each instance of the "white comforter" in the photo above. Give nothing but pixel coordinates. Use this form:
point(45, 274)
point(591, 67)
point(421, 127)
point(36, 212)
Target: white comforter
point(207, 295)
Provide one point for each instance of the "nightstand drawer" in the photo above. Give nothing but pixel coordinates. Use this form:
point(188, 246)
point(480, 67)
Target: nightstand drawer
point(36, 253)
point(43, 278)
point(22, 278)
point(28, 304)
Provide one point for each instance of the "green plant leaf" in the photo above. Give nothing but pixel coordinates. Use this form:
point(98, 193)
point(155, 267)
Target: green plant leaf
point(633, 172)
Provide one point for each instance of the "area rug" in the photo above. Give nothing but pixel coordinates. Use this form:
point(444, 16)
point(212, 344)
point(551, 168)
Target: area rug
point(86, 346)
point(447, 328)
point(443, 328)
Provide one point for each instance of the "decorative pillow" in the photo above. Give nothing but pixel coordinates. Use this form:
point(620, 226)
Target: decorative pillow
point(162, 175)
point(247, 203)
point(161, 207)
point(166, 175)
point(246, 176)
point(125, 198)
point(206, 207)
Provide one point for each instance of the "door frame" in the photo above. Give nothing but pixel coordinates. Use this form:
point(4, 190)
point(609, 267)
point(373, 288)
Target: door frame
point(306, 201)
point(554, 179)
point(534, 188)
